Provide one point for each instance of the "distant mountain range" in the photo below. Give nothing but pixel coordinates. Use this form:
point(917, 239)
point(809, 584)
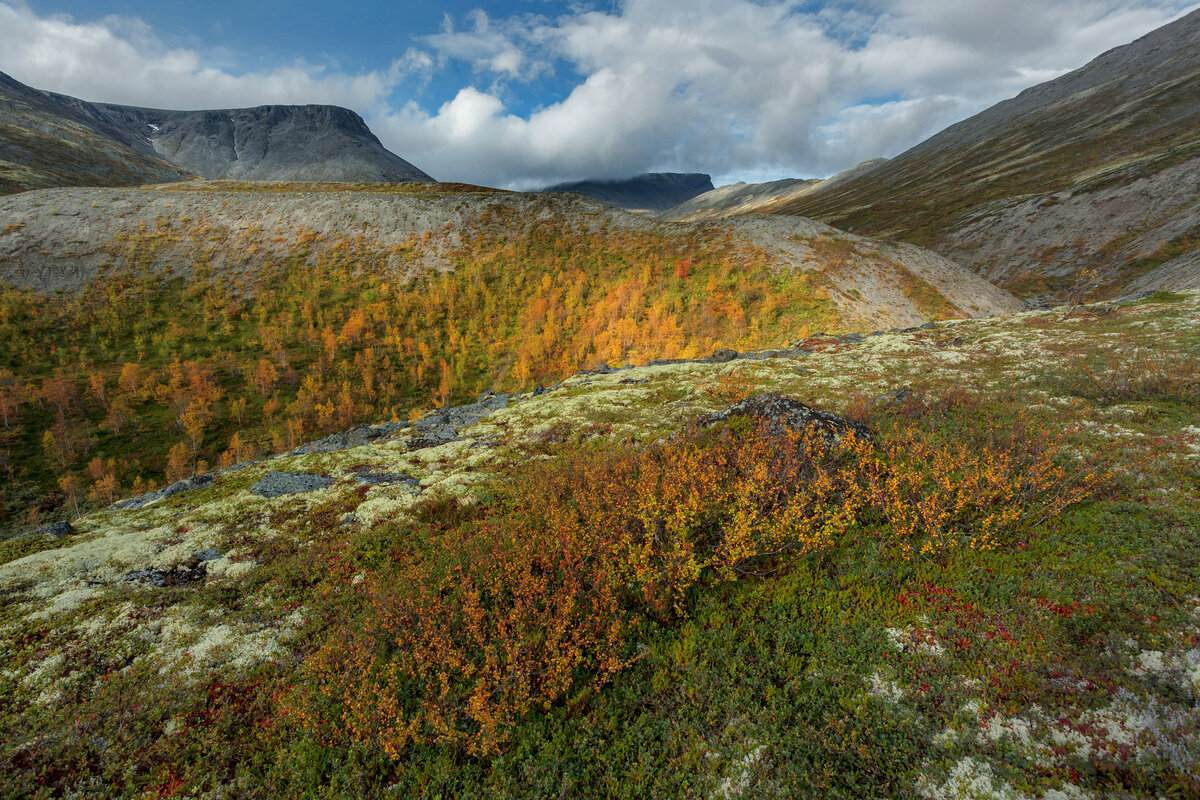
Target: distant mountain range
point(1089, 179)
point(655, 191)
point(50, 140)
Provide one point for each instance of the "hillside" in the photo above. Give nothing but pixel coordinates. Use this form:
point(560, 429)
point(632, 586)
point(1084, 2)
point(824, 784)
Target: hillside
point(1095, 170)
point(752, 198)
point(46, 142)
point(652, 192)
point(164, 327)
point(981, 581)
point(49, 139)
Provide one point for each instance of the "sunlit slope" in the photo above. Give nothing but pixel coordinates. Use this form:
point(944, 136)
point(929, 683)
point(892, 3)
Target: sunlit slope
point(155, 329)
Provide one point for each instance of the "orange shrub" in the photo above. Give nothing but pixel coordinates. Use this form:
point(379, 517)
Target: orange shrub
point(492, 610)
point(731, 387)
point(506, 607)
point(937, 496)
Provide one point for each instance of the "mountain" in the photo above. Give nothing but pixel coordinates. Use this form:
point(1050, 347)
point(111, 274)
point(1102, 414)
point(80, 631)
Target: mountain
point(1094, 170)
point(655, 191)
point(49, 139)
point(751, 198)
point(278, 143)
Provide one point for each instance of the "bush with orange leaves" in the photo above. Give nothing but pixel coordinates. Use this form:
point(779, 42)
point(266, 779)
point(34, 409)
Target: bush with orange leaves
point(495, 609)
point(939, 495)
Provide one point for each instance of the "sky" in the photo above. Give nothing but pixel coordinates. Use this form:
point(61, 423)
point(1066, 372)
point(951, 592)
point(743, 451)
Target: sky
point(526, 93)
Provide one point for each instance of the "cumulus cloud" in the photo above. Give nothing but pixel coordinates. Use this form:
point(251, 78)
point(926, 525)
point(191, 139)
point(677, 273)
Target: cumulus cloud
point(741, 88)
point(121, 60)
point(738, 88)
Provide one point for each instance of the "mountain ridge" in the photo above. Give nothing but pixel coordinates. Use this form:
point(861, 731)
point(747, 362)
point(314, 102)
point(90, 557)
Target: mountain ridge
point(87, 142)
point(1043, 171)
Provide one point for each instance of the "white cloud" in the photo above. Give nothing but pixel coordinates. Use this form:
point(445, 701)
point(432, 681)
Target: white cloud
point(742, 88)
point(753, 88)
point(120, 60)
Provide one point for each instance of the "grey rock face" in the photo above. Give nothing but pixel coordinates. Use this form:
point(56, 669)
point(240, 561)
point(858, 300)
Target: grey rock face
point(57, 140)
point(208, 554)
point(386, 479)
point(288, 143)
point(278, 484)
point(896, 398)
point(721, 356)
point(355, 437)
point(51, 140)
point(55, 529)
point(783, 415)
point(180, 576)
point(1095, 169)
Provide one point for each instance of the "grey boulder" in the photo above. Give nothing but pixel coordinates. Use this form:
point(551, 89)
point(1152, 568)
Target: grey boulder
point(783, 415)
point(279, 484)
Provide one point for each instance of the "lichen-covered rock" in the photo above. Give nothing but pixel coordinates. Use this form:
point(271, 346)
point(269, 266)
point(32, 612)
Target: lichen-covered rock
point(185, 485)
point(162, 578)
point(441, 425)
point(278, 484)
point(783, 415)
point(721, 356)
point(56, 529)
point(355, 437)
point(386, 479)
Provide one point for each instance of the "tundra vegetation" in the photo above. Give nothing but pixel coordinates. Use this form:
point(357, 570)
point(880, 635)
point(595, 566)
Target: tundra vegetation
point(151, 374)
point(995, 594)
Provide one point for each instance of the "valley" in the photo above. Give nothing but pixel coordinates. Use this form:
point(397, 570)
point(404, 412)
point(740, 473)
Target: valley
point(322, 478)
point(170, 330)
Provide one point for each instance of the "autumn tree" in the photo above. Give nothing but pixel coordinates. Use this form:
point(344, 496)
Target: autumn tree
point(69, 485)
point(265, 376)
point(179, 462)
point(194, 420)
point(61, 392)
point(12, 394)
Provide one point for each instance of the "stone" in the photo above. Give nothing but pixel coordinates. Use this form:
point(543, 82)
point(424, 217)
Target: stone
point(442, 424)
point(386, 479)
point(721, 356)
point(783, 415)
point(897, 397)
point(162, 578)
point(279, 484)
point(355, 437)
point(56, 530)
point(185, 485)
